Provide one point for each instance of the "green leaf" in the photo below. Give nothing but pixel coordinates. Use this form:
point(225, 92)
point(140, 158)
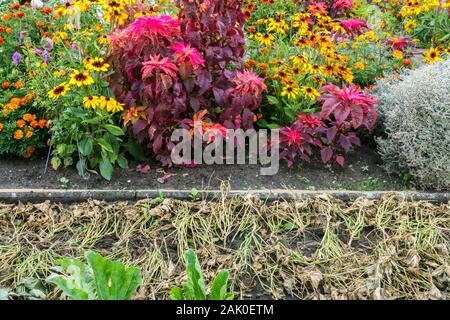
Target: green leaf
point(112, 280)
point(195, 286)
point(122, 162)
point(114, 130)
point(86, 147)
point(219, 286)
point(56, 162)
point(106, 169)
point(273, 100)
point(105, 145)
point(135, 150)
point(61, 149)
point(176, 294)
point(81, 167)
point(273, 126)
point(75, 282)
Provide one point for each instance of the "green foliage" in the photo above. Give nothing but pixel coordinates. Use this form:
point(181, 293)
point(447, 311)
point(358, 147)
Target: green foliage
point(194, 288)
point(99, 279)
point(89, 138)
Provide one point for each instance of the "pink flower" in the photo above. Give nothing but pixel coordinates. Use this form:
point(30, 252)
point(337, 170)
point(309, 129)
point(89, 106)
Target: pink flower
point(309, 121)
point(318, 8)
point(249, 82)
point(158, 64)
point(400, 43)
point(291, 136)
point(183, 51)
point(348, 101)
point(153, 27)
point(343, 4)
point(353, 25)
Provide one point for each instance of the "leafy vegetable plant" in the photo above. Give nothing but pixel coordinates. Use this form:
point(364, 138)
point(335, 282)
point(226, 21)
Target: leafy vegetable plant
point(99, 279)
point(194, 288)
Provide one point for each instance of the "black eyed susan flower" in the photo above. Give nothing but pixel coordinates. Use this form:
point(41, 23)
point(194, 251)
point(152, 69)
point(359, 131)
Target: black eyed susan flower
point(291, 92)
point(81, 78)
point(97, 64)
point(59, 91)
point(115, 106)
point(432, 55)
point(90, 102)
point(309, 92)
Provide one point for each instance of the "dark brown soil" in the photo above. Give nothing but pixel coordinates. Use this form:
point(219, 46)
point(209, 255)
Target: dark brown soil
point(362, 172)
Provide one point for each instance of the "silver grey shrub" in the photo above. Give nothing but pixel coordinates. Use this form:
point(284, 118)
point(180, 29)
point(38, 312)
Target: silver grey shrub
point(415, 115)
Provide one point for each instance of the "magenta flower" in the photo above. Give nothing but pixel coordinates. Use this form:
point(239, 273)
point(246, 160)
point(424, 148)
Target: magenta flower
point(158, 64)
point(249, 82)
point(153, 27)
point(348, 101)
point(353, 25)
point(184, 51)
point(343, 4)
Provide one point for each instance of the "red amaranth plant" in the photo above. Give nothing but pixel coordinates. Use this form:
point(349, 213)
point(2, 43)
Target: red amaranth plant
point(299, 139)
point(168, 70)
point(333, 130)
point(346, 109)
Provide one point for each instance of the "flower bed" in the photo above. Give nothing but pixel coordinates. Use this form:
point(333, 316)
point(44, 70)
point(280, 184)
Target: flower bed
point(101, 84)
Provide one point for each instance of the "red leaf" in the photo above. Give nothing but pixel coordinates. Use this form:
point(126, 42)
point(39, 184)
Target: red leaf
point(340, 160)
point(341, 113)
point(143, 168)
point(165, 178)
point(327, 154)
point(357, 116)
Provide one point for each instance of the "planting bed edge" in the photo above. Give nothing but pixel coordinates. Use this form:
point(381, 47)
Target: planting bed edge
point(72, 195)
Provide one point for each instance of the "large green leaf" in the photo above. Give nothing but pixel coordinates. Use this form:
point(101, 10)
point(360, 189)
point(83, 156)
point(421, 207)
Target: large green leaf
point(106, 169)
point(176, 294)
point(114, 130)
point(195, 285)
point(86, 147)
point(219, 286)
point(112, 280)
point(75, 280)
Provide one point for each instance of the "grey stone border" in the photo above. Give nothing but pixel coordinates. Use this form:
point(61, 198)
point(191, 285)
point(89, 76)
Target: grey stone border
point(72, 195)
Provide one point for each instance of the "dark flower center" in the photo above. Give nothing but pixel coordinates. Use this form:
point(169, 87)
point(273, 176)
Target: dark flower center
point(80, 77)
point(59, 90)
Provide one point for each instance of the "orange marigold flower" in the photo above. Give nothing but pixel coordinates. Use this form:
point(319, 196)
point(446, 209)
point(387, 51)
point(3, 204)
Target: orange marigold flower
point(42, 123)
point(15, 6)
point(6, 85)
point(20, 123)
point(19, 84)
point(47, 34)
point(1, 127)
point(18, 134)
point(39, 24)
point(9, 30)
point(34, 124)
point(20, 14)
point(29, 117)
point(46, 10)
point(1, 41)
point(8, 17)
point(15, 102)
point(29, 152)
point(29, 134)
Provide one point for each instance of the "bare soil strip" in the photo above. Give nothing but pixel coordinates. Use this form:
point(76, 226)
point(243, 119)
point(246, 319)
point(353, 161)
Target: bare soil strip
point(320, 248)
